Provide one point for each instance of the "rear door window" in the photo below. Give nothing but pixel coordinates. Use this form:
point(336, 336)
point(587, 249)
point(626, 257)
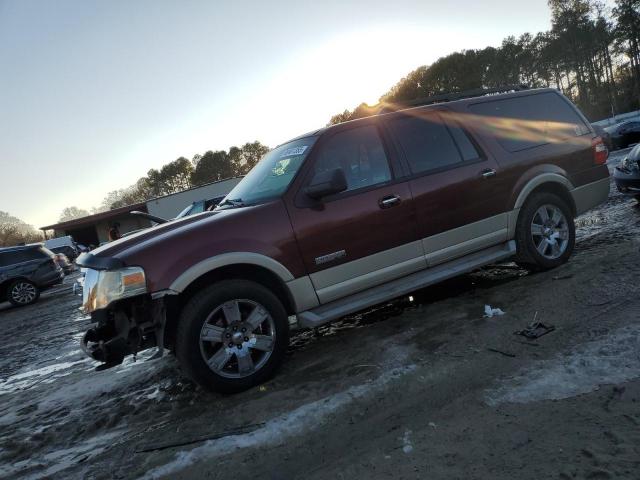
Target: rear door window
point(22, 256)
point(5, 259)
point(428, 142)
point(529, 121)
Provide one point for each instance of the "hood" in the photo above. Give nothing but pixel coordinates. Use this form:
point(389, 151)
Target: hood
point(167, 251)
point(115, 247)
point(634, 154)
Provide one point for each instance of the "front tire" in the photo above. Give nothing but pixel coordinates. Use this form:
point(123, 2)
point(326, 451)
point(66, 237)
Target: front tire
point(545, 232)
point(232, 336)
point(22, 293)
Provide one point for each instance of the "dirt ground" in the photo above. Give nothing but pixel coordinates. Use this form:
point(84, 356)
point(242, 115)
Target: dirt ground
point(423, 387)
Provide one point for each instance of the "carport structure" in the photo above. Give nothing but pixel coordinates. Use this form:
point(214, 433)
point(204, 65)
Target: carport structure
point(94, 229)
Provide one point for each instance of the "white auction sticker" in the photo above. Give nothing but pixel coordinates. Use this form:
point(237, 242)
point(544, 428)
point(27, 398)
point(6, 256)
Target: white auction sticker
point(290, 152)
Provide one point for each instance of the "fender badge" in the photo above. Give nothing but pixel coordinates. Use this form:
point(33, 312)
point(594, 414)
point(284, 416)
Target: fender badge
point(330, 257)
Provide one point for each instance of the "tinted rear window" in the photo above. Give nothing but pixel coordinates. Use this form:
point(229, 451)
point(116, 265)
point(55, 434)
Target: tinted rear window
point(538, 119)
point(21, 256)
point(428, 143)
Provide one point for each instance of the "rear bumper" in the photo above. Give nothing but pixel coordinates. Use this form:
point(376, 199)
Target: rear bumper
point(591, 195)
point(49, 279)
point(628, 182)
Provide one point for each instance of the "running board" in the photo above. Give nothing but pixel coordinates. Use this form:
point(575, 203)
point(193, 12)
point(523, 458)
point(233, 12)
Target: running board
point(402, 286)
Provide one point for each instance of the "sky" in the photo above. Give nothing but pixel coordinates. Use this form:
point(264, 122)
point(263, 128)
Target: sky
point(94, 93)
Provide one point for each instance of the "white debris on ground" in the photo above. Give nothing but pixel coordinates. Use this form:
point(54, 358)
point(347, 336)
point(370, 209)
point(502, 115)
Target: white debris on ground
point(492, 312)
point(612, 359)
point(407, 446)
point(305, 417)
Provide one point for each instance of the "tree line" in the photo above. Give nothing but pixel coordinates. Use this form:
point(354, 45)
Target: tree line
point(14, 231)
point(591, 54)
point(183, 173)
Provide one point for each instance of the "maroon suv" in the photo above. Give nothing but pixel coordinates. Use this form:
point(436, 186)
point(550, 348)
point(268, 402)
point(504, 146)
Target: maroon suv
point(344, 218)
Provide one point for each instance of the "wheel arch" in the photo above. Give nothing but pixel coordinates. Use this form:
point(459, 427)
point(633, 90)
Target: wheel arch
point(546, 182)
point(246, 270)
point(4, 285)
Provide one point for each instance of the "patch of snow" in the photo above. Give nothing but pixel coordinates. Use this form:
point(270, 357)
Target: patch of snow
point(59, 460)
point(21, 380)
point(277, 429)
point(612, 359)
point(407, 446)
point(492, 312)
point(107, 381)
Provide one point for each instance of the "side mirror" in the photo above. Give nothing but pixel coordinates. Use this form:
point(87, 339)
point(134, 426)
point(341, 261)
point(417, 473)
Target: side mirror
point(327, 183)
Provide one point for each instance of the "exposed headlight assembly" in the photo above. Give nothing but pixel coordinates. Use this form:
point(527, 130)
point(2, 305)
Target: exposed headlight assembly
point(624, 164)
point(627, 164)
point(102, 287)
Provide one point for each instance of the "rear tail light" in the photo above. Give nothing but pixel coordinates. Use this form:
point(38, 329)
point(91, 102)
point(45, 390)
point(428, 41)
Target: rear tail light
point(600, 151)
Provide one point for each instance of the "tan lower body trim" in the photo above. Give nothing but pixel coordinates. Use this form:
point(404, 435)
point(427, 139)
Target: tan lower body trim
point(371, 279)
point(464, 248)
point(352, 277)
point(466, 239)
point(591, 195)
point(303, 294)
point(369, 271)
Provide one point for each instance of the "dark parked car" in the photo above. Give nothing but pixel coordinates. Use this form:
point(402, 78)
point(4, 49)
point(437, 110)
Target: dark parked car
point(67, 250)
point(624, 134)
point(191, 209)
point(25, 271)
point(627, 174)
point(63, 261)
point(343, 218)
point(200, 206)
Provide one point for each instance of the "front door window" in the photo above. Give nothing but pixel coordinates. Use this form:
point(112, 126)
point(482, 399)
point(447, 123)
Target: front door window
point(359, 153)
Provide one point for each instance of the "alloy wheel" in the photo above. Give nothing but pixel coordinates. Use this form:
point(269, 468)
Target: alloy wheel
point(550, 231)
point(23, 293)
point(237, 338)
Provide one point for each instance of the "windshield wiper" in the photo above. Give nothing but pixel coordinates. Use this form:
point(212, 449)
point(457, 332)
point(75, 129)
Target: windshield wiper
point(236, 202)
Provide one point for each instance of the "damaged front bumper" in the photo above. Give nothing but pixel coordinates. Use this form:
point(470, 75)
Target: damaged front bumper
point(627, 180)
point(126, 317)
point(125, 328)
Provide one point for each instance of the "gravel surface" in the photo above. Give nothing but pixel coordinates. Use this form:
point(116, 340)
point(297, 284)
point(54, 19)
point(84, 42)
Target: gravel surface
point(423, 387)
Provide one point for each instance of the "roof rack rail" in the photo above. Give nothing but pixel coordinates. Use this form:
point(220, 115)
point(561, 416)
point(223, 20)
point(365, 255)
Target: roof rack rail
point(449, 97)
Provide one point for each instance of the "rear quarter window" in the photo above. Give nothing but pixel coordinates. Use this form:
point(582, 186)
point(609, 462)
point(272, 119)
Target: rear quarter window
point(22, 256)
point(5, 260)
point(529, 121)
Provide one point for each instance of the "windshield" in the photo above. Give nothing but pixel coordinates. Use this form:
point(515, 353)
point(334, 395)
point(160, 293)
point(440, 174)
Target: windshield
point(195, 207)
point(273, 174)
point(185, 212)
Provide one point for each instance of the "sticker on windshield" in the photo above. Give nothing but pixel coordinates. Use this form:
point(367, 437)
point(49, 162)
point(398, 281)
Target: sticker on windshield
point(290, 152)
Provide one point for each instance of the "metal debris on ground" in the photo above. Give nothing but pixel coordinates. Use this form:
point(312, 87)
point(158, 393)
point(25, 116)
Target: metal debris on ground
point(535, 330)
point(562, 277)
point(492, 312)
point(506, 354)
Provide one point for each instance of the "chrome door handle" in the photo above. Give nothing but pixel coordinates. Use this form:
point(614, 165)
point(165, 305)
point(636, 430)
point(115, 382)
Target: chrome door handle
point(488, 173)
point(388, 202)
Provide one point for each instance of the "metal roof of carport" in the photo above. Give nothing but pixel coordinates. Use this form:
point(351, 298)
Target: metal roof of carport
point(96, 217)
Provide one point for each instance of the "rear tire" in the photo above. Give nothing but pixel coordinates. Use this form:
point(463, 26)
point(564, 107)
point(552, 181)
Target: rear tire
point(22, 293)
point(545, 232)
point(232, 336)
